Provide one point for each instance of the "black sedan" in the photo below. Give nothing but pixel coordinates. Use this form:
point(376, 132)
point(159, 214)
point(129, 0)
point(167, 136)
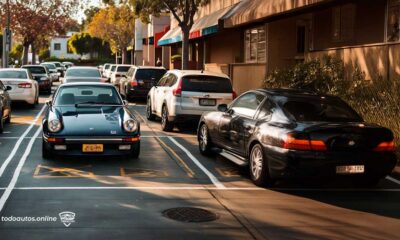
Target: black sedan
point(41, 75)
point(89, 119)
point(282, 133)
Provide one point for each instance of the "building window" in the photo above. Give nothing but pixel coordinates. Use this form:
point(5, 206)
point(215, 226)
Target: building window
point(255, 45)
point(393, 19)
point(301, 39)
point(57, 46)
point(343, 18)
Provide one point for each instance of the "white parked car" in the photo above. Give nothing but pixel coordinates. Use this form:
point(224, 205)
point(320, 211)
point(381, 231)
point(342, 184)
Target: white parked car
point(54, 74)
point(180, 96)
point(22, 86)
point(108, 72)
point(82, 74)
point(119, 72)
point(106, 67)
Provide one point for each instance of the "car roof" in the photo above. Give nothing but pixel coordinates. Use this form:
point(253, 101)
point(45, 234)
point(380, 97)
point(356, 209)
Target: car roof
point(87, 84)
point(290, 92)
point(32, 65)
point(149, 67)
point(13, 69)
point(82, 67)
point(182, 73)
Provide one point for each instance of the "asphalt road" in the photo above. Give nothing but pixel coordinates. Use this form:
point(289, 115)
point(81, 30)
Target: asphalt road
point(120, 199)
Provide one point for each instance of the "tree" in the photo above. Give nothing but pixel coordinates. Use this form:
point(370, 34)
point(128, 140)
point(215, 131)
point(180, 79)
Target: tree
point(1, 45)
point(182, 10)
point(34, 19)
point(89, 14)
point(83, 43)
point(116, 25)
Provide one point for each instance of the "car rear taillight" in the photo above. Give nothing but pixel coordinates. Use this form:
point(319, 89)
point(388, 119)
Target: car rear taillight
point(177, 92)
point(25, 85)
point(385, 147)
point(294, 143)
point(133, 83)
point(234, 95)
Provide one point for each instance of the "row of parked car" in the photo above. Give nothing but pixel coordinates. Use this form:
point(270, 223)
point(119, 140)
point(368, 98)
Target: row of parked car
point(24, 85)
point(277, 133)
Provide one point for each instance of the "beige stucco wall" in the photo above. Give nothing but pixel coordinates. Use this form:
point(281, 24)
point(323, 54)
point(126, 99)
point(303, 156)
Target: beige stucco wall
point(376, 61)
point(248, 76)
point(225, 47)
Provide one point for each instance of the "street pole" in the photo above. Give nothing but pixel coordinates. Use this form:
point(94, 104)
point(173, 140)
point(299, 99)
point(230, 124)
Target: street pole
point(7, 39)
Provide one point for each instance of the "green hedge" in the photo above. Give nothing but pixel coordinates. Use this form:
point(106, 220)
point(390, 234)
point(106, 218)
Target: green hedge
point(378, 101)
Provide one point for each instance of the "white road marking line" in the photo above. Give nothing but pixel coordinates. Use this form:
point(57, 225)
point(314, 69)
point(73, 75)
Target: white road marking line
point(393, 179)
point(212, 178)
point(18, 143)
point(7, 132)
point(17, 171)
point(214, 188)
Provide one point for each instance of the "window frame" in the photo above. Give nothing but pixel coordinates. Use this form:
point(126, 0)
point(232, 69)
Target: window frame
point(248, 44)
point(58, 48)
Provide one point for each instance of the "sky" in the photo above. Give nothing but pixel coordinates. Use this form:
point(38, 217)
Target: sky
point(80, 15)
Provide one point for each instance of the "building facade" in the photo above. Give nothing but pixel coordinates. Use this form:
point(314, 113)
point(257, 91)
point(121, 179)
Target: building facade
point(247, 39)
point(59, 47)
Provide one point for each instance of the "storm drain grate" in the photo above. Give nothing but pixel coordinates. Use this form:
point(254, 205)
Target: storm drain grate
point(189, 214)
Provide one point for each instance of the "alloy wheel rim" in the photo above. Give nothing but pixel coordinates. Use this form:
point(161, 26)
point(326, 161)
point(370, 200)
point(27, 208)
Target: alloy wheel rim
point(256, 162)
point(164, 116)
point(203, 138)
point(148, 109)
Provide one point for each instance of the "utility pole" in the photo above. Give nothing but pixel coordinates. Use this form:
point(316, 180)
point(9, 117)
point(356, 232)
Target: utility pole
point(7, 38)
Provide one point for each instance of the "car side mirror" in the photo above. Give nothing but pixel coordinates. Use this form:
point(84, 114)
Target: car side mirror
point(49, 103)
point(222, 107)
point(8, 88)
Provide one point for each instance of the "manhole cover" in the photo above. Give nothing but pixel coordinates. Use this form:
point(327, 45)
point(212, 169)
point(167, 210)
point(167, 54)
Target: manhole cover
point(189, 214)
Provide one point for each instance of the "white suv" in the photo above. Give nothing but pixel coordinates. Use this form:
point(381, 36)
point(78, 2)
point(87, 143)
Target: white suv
point(120, 71)
point(180, 96)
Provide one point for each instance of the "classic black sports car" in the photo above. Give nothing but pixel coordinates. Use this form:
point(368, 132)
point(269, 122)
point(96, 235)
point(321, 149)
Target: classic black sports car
point(282, 133)
point(89, 119)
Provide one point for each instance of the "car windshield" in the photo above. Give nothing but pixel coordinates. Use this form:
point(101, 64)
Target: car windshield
point(206, 84)
point(149, 74)
point(320, 110)
point(57, 64)
point(50, 66)
point(87, 95)
point(83, 72)
point(36, 70)
point(13, 74)
point(123, 68)
point(107, 66)
point(113, 68)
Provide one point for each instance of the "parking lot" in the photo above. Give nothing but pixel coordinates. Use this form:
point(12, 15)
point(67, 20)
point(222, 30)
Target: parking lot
point(117, 198)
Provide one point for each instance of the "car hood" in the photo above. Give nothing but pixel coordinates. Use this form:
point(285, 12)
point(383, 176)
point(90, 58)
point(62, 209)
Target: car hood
point(91, 121)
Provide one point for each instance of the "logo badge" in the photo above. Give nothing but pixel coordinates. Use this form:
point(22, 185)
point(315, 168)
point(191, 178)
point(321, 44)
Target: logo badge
point(352, 143)
point(67, 218)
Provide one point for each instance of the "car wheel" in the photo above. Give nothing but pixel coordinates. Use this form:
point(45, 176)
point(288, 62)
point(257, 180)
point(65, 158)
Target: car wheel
point(149, 113)
point(259, 167)
point(136, 151)
point(166, 125)
point(8, 119)
point(46, 154)
point(205, 144)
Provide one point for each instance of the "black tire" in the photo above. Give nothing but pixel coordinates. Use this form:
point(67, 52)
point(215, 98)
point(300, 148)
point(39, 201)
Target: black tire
point(258, 166)
point(205, 143)
point(149, 113)
point(1, 122)
point(8, 119)
point(46, 154)
point(166, 125)
point(135, 151)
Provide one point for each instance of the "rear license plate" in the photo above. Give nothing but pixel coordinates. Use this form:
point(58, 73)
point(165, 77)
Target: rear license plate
point(92, 148)
point(350, 169)
point(208, 102)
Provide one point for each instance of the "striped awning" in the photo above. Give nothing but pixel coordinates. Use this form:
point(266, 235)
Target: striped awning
point(203, 26)
point(248, 11)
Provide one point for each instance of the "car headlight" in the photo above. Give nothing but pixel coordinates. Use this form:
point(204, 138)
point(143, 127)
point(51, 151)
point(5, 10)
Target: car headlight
point(130, 125)
point(54, 125)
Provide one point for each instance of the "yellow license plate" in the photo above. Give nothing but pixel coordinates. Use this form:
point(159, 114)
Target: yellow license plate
point(92, 148)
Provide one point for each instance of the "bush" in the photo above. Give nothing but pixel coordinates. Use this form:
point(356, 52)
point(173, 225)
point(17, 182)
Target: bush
point(377, 101)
